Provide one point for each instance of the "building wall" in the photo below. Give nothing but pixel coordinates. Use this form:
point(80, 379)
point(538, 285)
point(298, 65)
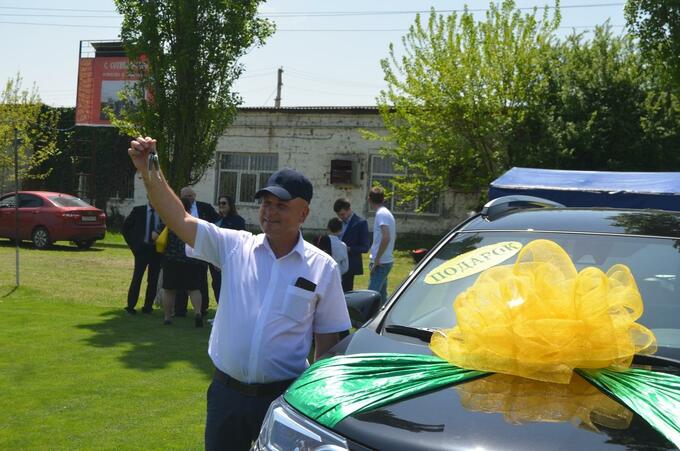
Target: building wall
point(307, 139)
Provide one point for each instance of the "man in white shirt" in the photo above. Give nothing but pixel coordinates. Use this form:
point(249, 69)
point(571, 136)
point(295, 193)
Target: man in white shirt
point(277, 292)
point(384, 236)
point(338, 248)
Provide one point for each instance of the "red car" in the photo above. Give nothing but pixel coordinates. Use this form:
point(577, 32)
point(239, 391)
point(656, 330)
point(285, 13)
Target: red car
point(46, 217)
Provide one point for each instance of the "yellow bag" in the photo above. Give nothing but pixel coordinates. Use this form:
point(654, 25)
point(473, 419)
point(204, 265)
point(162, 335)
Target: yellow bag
point(162, 241)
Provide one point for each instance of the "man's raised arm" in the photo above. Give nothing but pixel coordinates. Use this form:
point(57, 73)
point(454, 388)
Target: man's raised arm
point(164, 200)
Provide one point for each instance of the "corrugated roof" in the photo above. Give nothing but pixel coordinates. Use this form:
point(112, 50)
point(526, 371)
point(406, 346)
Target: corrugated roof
point(315, 109)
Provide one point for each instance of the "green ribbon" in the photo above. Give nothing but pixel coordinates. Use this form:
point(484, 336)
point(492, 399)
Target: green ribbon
point(653, 395)
point(337, 387)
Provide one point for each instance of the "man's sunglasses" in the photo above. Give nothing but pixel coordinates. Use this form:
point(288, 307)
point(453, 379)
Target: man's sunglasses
point(223, 203)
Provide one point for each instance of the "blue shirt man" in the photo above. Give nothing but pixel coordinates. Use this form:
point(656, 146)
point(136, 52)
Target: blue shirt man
point(355, 236)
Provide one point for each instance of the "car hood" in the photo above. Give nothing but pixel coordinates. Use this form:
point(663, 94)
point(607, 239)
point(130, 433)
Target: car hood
point(478, 415)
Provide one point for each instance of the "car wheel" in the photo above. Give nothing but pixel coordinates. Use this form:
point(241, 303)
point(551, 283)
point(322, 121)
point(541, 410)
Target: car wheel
point(41, 238)
point(84, 244)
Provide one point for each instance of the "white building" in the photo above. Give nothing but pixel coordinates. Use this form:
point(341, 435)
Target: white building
point(326, 144)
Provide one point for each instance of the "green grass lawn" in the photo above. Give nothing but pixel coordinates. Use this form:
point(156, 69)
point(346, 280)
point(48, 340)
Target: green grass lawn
point(77, 372)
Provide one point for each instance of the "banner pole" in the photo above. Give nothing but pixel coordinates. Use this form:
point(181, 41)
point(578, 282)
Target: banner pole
point(16, 201)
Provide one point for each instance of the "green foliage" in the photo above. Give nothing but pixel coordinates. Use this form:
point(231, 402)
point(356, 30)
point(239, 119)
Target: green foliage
point(468, 100)
point(456, 96)
point(86, 154)
point(187, 54)
point(22, 115)
point(595, 100)
point(656, 23)
point(605, 109)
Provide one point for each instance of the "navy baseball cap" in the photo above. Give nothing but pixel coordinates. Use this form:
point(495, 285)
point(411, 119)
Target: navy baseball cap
point(287, 184)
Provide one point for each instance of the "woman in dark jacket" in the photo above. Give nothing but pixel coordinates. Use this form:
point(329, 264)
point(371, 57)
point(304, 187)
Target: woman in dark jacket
point(229, 219)
point(181, 272)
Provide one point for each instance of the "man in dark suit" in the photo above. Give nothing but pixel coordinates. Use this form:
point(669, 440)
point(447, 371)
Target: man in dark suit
point(205, 211)
point(138, 228)
point(355, 236)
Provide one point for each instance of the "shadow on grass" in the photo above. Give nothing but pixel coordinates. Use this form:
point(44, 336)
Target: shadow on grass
point(12, 290)
point(145, 344)
point(111, 245)
point(27, 245)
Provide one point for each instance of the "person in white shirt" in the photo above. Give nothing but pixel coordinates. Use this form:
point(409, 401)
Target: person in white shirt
point(338, 248)
point(277, 292)
point(384, 236)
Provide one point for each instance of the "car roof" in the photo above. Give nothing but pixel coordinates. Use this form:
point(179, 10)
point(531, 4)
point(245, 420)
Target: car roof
point(656, 223)
point(40, 193)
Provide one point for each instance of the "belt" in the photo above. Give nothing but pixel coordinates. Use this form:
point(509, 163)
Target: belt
point(270, 389)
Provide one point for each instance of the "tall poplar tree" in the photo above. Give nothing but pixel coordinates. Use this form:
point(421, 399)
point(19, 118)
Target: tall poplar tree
point(456, 93)
point(187, 55)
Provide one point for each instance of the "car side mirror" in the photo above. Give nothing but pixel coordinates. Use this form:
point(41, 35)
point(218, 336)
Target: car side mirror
point(362, 305)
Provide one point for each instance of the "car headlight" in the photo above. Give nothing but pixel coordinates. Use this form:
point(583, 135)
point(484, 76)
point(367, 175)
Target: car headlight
point(284, 429)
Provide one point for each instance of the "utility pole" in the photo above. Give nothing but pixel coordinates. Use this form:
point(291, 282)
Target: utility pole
point(16, 200)
point(279, 83)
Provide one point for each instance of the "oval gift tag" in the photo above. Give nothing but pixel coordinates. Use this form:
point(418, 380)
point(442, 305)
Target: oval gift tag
point(473, 262)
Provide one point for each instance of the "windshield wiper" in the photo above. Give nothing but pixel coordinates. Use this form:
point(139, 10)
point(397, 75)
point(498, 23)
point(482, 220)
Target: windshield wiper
point(655, 360)
point(421, 333)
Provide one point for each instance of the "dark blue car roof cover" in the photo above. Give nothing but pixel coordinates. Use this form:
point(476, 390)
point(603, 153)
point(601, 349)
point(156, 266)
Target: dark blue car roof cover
point(660, 190)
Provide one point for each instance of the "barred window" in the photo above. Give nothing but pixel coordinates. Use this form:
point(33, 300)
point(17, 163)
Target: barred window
point(382, 172)
point(241, 175)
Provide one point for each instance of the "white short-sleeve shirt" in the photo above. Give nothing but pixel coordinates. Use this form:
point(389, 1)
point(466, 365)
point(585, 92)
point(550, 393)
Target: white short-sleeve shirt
point(383, 217)
point(264, 324)
point(339, 253)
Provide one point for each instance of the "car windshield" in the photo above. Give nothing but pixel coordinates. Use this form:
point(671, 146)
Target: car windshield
point(655, 263)
point(64, 201)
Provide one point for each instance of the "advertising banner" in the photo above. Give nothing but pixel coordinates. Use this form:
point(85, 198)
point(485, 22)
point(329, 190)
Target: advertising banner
point(100, 79)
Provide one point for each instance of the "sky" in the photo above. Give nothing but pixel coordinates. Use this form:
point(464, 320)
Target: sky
point(330, 51)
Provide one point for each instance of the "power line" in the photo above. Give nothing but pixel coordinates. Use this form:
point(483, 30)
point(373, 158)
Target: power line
point(68, 16)
point(269, 97)
point(348, 13)
point(25, 8)
point(285, 30)
point(43, 24)
point(294, 73)
point(296, 88)
point(459, 10)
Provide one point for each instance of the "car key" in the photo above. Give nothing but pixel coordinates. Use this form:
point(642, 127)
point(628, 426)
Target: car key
point(154, 164)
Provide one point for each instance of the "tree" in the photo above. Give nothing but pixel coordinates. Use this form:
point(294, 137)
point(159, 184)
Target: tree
point(656, 23)
point(605, 109)
point(593, 113)
point(456, 96)
point(187, 55)
point(23, 115)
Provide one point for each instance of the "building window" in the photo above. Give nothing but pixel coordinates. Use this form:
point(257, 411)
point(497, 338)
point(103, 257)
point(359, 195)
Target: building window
point(382, 172)
point(241, 175)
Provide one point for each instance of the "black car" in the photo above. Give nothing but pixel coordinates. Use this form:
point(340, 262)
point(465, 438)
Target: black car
point(476, 415)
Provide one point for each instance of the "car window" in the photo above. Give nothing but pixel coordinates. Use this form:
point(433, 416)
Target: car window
point(8, 201)
point(68, 201)
point(29, 201)
point(654, 262)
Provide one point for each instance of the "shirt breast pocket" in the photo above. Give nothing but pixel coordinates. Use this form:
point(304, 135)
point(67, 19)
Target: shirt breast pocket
point(297, 303)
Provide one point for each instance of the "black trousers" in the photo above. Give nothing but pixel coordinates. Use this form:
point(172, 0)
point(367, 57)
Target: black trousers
point(147, 257)
point(216, 277)
point(182, 297)
point(347, 281)
point(233, 419)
